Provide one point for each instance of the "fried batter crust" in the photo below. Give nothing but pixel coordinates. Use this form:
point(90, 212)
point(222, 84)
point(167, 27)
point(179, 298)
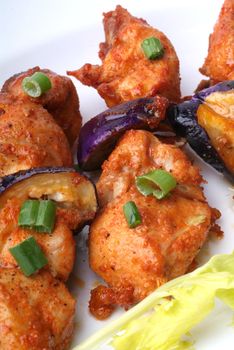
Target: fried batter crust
point(161, 248)
point(126, 73)
point(36, 313)
point(219, 63)
point(172, 230)
point(59, 247)
point(61, 101)
point(139, 152)
point(29, 137)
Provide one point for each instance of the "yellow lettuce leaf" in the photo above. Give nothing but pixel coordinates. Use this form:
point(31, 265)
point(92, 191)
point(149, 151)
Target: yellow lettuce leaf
point(161, 320)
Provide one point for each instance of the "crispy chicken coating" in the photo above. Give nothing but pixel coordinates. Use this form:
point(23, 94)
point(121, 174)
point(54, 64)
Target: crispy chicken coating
point(139, 152)
point(29, 137)
point(36, 313)
point(126, 73)
point(219, 63)
point(162, 247)
point(59, 247)
point(61, 101)
point(75, 206)
point(172, 231)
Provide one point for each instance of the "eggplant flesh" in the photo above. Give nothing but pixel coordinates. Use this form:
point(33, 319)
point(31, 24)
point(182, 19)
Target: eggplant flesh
point(99, 135)
point(207, 122)
point(74, 194)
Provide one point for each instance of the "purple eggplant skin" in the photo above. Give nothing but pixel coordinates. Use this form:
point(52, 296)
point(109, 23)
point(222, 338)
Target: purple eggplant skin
point(7, 188)
point(7, 181)
point(99, 135)
point(183, 119)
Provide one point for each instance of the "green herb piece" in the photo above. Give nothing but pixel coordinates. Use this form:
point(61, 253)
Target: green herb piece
point(132, 214)
point(46, 216)
point(38, 215)
point(29, 256)
point(152, 48)
point(158, 183)
point(36, 84)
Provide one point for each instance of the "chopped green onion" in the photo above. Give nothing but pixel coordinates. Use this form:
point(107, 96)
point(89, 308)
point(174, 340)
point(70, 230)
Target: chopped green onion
point(38, 215)
point(152, 48)
point(158, 182)
point(46, 216)
point(36, 84)
point(28, 213)
point(132, 214)
point(29, 256)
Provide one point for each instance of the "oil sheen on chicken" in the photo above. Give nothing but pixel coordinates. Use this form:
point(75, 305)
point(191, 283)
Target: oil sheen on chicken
point(172, 231)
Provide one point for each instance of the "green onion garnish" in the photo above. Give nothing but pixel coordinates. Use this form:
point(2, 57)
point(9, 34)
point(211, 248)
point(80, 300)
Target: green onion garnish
point(132, 214)
point(28, 213)
point(36, 84)
point(152, 48)
point(38, 215)
point(157, 183)
point(29, 256)
point(46, 216)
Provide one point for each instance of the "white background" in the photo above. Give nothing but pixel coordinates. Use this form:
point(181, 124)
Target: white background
point(63, 35)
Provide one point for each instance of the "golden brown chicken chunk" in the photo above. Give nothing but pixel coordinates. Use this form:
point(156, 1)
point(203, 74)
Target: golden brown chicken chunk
point(36, 313)
point(219, 63)
point(61, 101)
point(126, 73)
point(137, 153)
point(29, 137)
point(172, 230)
point(59, 246)
point(76, 205)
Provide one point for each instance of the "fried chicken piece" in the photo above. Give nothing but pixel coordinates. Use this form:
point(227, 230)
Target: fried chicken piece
point(61, 101)
point(126, 73)
point(36, 313)
point(29, 137)
point(161, 248)
point(172, 231)
point(139, 152)
point(59, 247)
point(219, 63)
point(75, 206)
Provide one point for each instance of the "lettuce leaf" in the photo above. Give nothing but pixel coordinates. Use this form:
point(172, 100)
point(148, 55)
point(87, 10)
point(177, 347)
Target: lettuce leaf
point(161, 320)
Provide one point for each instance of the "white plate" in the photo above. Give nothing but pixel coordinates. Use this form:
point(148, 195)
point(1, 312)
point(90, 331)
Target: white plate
point(63, 35)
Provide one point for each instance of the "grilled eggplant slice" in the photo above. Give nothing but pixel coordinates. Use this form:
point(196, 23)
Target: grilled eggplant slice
point(207, 122)
point(74, 193)
point(99, 135)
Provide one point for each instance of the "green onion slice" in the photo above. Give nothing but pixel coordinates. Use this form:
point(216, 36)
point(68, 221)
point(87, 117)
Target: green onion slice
point(28, 213)
point(38, 215)
point(36, 84)
point(158, 183)
point(46, 216)
point(132, 214)
point(29, 256)
point(152, 48)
